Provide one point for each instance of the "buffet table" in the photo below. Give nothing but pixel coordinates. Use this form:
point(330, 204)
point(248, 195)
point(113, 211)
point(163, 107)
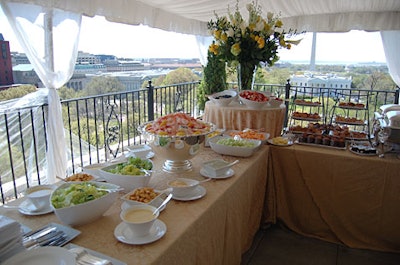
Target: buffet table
point(236, 116)
point(216, 229)
point(336, 196)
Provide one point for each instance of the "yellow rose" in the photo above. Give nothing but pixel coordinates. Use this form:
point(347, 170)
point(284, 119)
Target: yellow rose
point(261, 42)
point(224, 37)
point(278, 23)
point(235, 49)
point(217, 34)
point(214, 48)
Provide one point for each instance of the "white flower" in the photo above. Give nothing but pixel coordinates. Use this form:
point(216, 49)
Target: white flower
point(230, 32)
point(259, 25)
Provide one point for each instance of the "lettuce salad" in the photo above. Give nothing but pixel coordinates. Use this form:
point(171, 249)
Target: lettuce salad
point(76, 193)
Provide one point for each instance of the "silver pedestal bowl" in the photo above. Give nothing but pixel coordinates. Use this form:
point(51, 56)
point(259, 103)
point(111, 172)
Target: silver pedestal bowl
point(176, 151)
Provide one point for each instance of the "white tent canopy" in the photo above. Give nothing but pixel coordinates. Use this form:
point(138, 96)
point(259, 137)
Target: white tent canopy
point(49, 33)
point(191, 16)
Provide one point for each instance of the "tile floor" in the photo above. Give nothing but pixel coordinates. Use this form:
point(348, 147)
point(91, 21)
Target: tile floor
point(278, 245)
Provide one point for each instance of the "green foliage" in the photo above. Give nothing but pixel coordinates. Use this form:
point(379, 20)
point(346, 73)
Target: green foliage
point(180, 75)
point(16, 92)
point(214, 79)
point(102, 85)
point(69, 93)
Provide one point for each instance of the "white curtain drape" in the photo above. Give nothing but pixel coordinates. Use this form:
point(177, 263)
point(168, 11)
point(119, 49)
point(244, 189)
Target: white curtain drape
point(203, 42)
point(49, 38)
point(391, 46)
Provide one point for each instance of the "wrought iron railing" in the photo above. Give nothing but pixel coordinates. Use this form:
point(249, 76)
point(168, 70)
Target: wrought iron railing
point(98, 128)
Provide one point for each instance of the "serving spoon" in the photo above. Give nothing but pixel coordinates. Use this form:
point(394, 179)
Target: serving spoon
point(163, 203)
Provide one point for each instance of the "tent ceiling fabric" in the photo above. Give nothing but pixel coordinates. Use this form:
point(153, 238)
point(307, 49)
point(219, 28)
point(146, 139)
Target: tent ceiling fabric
point(191, 16)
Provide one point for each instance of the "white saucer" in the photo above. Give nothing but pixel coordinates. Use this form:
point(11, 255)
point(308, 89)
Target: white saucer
point(149, 155)
point(227, 174)
point(123, 234)
point(198, 193)
point(27, 208)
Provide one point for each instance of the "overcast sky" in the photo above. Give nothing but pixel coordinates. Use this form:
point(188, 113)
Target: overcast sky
point(101, 37)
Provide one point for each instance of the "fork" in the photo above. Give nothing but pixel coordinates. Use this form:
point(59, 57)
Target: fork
point(84, 258)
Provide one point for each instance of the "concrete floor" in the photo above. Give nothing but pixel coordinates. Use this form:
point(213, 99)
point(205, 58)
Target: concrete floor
point(277, 245)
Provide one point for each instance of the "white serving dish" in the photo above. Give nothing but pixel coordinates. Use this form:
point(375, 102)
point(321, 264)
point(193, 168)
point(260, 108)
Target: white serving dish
point(154, 202)
point(252, 104)
point(216, 167)
point(234, 150)
point(275, 102)
point(219, 99)
point(182, 187)
point(89, 211)
point(141, 151)
point(128, 182)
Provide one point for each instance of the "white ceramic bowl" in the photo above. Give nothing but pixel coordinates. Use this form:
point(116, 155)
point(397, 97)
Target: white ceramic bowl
point(40, 195)
point(139, 218)
point(156, 201)
point(128, 182)
point(86, 212)
point(275, 102)
point(141, 151)
point(240, 151)
point(183, 186)
point(253, 104)
point(223, 98)
point(216, 167)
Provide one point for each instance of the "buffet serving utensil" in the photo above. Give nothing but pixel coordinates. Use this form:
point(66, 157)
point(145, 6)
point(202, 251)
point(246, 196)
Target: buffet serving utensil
point(163, 203)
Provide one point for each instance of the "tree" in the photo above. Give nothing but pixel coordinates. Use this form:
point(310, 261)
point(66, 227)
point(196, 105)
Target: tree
point(180, 75)
point(68, 93)
point(16, 92)
point(102, 85)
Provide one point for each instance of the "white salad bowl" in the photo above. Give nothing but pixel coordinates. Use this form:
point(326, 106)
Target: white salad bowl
point(248, 147)
point(82, 213)
point(223, 98)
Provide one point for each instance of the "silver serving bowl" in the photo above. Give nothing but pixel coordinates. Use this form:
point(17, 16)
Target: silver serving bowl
point(176, 150)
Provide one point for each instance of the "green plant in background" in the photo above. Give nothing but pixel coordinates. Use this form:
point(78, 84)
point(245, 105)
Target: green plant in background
point(214, 79)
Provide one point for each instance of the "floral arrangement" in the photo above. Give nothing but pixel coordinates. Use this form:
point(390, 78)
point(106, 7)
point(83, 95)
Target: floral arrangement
point(248, 43)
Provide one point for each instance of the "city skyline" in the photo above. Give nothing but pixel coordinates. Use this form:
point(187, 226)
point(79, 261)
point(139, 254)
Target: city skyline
point(98, 36)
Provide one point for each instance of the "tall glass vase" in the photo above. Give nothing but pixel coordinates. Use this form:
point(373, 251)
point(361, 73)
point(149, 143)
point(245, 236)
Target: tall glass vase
point(246, 73)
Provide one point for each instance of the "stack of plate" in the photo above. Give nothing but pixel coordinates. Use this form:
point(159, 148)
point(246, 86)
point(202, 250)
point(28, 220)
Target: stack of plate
point(10, 238)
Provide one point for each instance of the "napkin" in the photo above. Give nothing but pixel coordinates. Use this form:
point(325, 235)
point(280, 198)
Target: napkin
point(10, 237)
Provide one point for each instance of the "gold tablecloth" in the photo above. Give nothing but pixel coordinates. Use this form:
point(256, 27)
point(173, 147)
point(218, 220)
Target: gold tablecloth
point(336, 196)
point(215, 229)
point(238, 117)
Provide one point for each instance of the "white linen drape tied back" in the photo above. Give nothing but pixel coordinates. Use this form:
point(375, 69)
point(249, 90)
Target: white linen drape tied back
point(49, 37)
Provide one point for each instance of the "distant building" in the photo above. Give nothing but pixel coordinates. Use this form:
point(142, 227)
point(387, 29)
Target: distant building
point(87, 58)
point(6, 72)
point(25, 74)
point(19, 58)
point(320, 80)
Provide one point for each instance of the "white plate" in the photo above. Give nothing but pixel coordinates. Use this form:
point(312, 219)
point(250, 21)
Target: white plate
point(123, 234)
point(43, 255)
point(198, 193)
point(157, 202)
point(227, 174)
point(27, 208)
point(270, 141)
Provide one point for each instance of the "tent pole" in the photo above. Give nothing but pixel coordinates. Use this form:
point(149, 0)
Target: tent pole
point(48, 35)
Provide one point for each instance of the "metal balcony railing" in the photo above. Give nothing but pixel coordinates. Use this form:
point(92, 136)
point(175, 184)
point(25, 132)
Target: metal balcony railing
point(98, 128)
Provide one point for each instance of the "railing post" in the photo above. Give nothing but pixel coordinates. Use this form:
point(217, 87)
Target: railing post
point(150, 102)
point(396, 95)
point(287, 96)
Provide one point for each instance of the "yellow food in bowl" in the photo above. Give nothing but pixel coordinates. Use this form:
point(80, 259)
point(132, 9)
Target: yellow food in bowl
point(280, 140)
point(178, 183)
